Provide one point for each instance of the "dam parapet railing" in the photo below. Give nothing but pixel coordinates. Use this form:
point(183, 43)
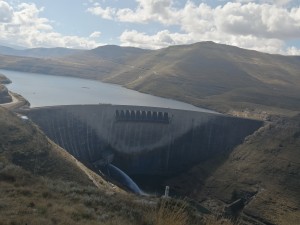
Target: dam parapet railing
point(142, 116)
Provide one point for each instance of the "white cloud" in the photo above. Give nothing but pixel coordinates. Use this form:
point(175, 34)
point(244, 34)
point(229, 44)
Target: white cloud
point(275, 2)
point(254, 25)
point(6, 12)
point(280, 2)
point(146, 11)
point(265, 20)
point(105, 13)
point(165, 38)
point(149, 10)
point(95, 34)
point(23, 25)
point(293, 51)
point(159, 40)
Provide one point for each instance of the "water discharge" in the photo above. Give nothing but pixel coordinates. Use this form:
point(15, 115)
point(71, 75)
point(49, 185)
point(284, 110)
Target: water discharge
point(121, 177)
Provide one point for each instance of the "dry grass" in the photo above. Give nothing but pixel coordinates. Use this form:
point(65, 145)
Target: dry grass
point(212, 220)
point(38, 185)
point(171, 213)
point(27, 198)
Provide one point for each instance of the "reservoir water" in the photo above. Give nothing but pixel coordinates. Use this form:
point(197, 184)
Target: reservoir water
point(48, 90)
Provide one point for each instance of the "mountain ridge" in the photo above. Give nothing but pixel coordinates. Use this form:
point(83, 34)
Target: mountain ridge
point(215, 76)
point(38, 52)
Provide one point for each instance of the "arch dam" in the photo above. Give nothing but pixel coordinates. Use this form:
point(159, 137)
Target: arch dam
point(141, 140)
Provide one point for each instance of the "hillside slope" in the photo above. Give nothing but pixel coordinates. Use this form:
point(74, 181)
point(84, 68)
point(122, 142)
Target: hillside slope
point(263, 172)
point(217, 76)
point(38, 52)
point(42, 184)
point(220, 77)
point(104, 61)
point(95, 64)
point(24, 145)
point(266, 166)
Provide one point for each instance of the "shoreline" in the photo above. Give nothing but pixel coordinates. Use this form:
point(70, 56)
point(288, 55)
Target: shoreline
point(17, 102)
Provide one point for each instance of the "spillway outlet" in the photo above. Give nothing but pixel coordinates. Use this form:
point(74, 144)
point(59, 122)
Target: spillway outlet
point(142, 116)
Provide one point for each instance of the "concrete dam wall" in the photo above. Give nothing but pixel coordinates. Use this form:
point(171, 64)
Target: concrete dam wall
point(141, 140)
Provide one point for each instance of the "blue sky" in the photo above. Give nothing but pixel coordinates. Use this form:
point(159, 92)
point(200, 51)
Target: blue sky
point(266, 25)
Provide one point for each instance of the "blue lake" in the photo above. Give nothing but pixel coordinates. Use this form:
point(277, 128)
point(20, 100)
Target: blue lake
point(48, 90)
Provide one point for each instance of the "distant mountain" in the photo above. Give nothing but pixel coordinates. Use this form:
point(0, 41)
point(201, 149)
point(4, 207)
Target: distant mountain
point(97, 63)
point(102, 62)
point(18, 47)
point(4, 50)
point(38, 52)
point(117, 52)
point(217, 76)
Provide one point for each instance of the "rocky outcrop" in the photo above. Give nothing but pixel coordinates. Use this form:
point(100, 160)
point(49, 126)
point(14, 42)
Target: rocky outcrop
point(4, 95)
point(4, 79)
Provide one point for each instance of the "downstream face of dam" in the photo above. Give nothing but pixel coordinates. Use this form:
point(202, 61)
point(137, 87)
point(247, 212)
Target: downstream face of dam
point(141, 140)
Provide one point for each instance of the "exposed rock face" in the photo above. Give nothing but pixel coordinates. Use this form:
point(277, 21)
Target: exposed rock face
point(4, 95)
point(4, 79)
point(142, 145)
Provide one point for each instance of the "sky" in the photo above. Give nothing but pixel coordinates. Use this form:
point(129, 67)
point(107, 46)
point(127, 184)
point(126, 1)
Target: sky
point(271, 26)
